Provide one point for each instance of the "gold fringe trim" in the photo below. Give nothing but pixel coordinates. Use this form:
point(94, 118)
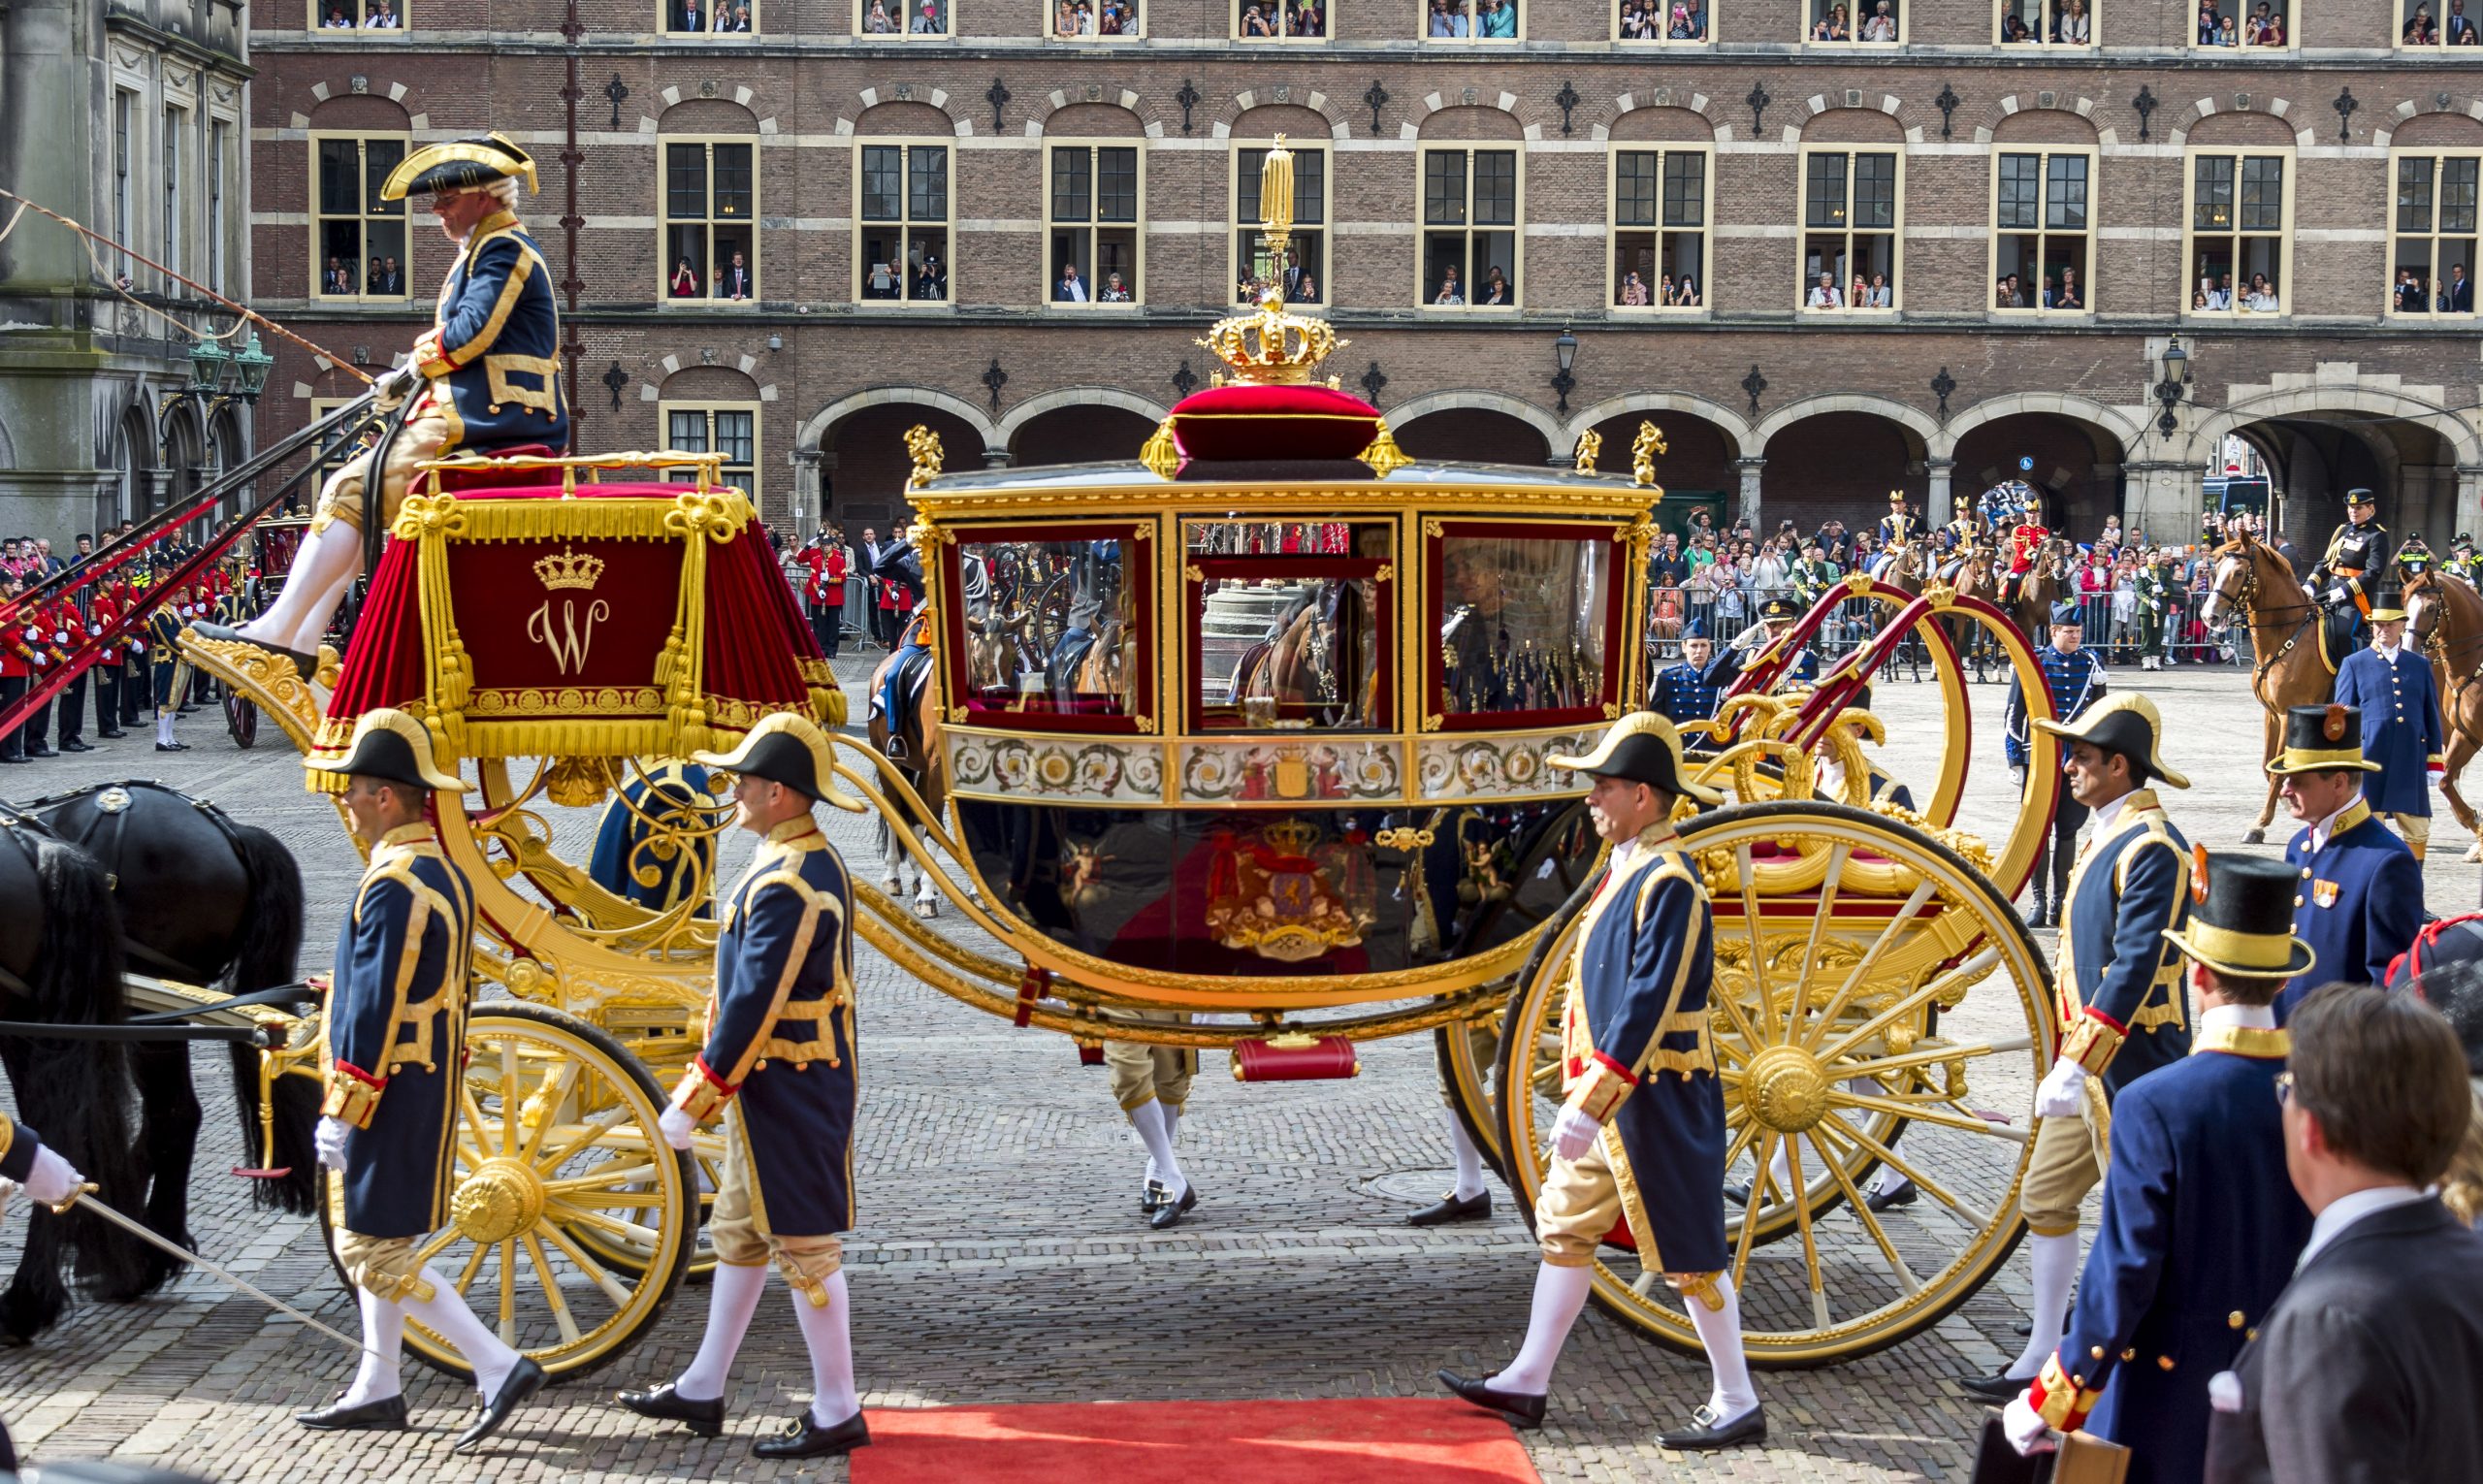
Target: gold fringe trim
point(718, 514)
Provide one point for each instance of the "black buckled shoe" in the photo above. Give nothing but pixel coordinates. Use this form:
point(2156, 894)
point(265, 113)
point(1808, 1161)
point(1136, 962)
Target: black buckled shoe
point(304, 666)
point(805, 1438)
point(667, 1404)
point(1708, 1433)
point(1996, 1388)
point(522, 1383)
point(1169, 1212)
point(1151, 1195)
point(1522, 1411)
point(1902, 1193)
point(385, 1415)
point(1452, 1208)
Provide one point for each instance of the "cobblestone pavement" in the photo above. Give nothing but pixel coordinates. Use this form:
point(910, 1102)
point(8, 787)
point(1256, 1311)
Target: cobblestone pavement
point(1001, 1257)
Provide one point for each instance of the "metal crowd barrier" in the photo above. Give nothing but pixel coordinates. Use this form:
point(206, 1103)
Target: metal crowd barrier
point(2112, 624)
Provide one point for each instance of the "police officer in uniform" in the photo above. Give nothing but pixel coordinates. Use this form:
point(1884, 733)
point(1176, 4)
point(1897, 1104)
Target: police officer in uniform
point(396, 1035)
point(1642, 1095)
point(2357, 554)
point(1681, 694)
point(2074, 677)
point(778, 1067)
point(487, 378)
point(2402, 736)
point(2201, 1225)
point(1776, 618)
point(2362, 889)
point(2121, 997)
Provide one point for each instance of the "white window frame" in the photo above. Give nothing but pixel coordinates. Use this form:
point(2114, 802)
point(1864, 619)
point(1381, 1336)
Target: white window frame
point(1136, 31)
point(2287, 9)
point(1095, 279)
point(1817, 11)
point(2044, 156)
point(1614, 229)
point(1424, 290)
point(1803, 231)
point(1664, 13)
point(2047, 15)
point(742, 476)
point(2191, 233)
point(360, 13)
point(707, 297)
point(1285, 19)
point(2439, 158)
point(904, 19)
point(1471, 12)
point(905, 223)
point(365, 216)
point(1239, 228)
point(2405, 16)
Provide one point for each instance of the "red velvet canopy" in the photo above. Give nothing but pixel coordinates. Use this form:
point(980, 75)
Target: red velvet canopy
point(1301, 421)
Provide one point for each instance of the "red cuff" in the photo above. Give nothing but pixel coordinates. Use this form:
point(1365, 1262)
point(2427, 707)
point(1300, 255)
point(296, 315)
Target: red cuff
point(2093, 1014)
point(2061, 1399)
point(701, 1093)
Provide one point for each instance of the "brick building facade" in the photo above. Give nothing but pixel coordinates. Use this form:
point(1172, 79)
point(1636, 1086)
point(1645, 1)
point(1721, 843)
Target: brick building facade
point(2134, 176)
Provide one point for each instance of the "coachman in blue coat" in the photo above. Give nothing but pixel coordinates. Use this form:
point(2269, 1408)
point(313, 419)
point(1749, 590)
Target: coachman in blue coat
point(2120, 1003)
point(1681, 694)
point(2074, 676)
point(45, 1177)
point(778, 1066)
point(1640, 1144)
point(2402, 738)
point(2360, 893)
point(2200, 1224)
point(395, 1054)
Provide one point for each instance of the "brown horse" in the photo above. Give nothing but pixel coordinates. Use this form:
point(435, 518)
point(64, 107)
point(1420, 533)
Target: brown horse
point(2288, 667)
point(908, 735)
point(2445, 618)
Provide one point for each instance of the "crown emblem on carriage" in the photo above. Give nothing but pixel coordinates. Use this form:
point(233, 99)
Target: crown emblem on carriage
point(1294, 837)
point(569, 569)
point(1268, 346)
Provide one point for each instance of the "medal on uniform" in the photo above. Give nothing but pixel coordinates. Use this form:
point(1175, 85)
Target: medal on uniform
point(2324, 893)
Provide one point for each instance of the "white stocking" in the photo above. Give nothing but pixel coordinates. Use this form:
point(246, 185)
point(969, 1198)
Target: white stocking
point(1558, 1294)
point(2056, 1265)
point(383, 1339)
point(832, 1345)
point(732, 1298)
point(325, 563)
point(1720, 1330)
point(1155, 1129)
point(164, 725)
point(1469, 1160)
point(445, 1314)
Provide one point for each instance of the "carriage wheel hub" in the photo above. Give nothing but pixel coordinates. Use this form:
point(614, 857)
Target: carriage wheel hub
point(1786, 1088)
point(500, 1199)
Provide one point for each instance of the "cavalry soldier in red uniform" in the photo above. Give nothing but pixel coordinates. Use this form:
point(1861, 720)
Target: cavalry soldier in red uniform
point(111, 664)
point(16, 669)
point(2024, 546)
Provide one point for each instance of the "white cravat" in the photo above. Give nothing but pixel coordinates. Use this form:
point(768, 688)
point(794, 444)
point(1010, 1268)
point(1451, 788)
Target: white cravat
point(2386, 652)
point(2106, 815)
point(2345, 1211)
point(2238, 1016)
point(2319, 831)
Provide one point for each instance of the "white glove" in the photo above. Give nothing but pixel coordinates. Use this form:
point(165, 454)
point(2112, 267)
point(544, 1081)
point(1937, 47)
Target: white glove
point(676, 1127)
point(1572, 1132)
point(52, 1180)
point(331, 1143)
point(2027, 1430)
point(2017, 776)
point(2063, 1091)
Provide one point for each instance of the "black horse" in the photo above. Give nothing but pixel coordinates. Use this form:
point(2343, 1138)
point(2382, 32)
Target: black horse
point(200, 898)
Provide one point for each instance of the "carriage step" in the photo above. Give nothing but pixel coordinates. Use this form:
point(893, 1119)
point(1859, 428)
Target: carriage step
point(1295, 1058)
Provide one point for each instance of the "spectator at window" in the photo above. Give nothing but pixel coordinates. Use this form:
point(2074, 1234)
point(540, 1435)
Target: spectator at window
point(1086, 18)
point(1632, 21)
point(1306, 290)
point(1114, 290)
point(685, 280)
point(1882, 24)
point(1308, 20)
point(2198, 299)
point(1633, 290)
point(2069, 297)
point(2418, 30)
point(934, 282)
point(1687, 292)
point(928, 21)
point(2263, 295)
point(383, 17)
point(2459, 28)
point(2457, 296)
point(2209, 22)
point(2004, 293)
point(734, 282)
point(881, 282)
point(2257, 24)
point(1071, 289)
point(2220, 294)
point(2013, 30)
point(338, 278)
point(1254, 25)
point(1113, 19)
point(2227, 34)
point(2074, 28)
point(387, 280)
point(1840, 24)
point(1495, 288)
point(336, 19)
point(692, 19)
point(1500, 19)
point(736, 22)
point(1882, 296)
point(1824, 29)
point(877, 22)
point(1064, 19)
point(1689, 23)
point(2408, 297)
point(1824, 294)
point(2274, 34)
point(1446, 21)
point(1449, 290)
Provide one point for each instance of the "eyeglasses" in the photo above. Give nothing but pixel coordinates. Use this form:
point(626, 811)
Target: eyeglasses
point(2285, 1089)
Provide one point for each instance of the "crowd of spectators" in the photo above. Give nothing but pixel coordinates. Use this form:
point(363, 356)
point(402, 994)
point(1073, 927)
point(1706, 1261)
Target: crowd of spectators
point(1871, 293)
point(2263, 26)
point(1649, 20)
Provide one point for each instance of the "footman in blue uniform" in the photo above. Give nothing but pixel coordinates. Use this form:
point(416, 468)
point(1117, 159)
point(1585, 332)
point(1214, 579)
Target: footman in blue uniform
point(2201, 1225)
point(2360, 898)
point(1640, 1137)
point(1681, 694)
point(778, 1066)
point(2402, 738)
point(395, 1037)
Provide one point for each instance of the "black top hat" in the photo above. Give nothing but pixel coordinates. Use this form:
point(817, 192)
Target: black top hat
point(2242, 915)
point(2068, 616)
point(390, 745)
point(2388, 603)
point(2127, 724)
point(1780, 608)
point(459, 164)
point(2322, 739)
point(1641, 747)
point(785, 749)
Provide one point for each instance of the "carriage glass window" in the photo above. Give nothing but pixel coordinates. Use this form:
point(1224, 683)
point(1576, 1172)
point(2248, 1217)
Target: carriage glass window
point(1526, 616)
point(1291, 625)
point(1051, 623)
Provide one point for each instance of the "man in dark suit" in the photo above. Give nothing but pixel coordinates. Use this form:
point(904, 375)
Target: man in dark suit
point(2362, 890)
point(692, 19)
point(2457, 295)
point(737, 280)
point(2367, 1370)
point(1071, 289)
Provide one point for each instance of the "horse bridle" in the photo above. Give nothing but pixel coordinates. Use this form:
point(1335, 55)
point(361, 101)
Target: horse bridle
point(2435, 643)
point(2247, 595)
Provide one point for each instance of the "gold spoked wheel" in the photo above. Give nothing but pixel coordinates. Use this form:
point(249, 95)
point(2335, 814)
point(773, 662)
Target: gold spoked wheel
point(557, 1160)
point(1851, 1031)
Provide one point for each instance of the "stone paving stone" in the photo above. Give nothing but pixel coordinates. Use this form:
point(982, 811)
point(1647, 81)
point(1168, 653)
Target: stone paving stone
point(1000, 1256)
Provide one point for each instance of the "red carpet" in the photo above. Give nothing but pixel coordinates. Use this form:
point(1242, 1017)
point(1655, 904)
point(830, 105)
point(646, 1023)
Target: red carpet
point(1358, 1441)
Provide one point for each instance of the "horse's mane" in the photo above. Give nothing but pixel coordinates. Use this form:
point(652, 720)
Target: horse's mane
point(2238, 545)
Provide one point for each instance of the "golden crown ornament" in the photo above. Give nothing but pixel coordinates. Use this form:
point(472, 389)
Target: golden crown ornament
point(569, 569)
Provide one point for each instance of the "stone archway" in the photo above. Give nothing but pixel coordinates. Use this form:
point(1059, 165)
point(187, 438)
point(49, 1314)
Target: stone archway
point(1838, 463)
point(861, 458)
point(2076, 461)
point(2323, 437)
point(1083, 431)
point(1474, 427)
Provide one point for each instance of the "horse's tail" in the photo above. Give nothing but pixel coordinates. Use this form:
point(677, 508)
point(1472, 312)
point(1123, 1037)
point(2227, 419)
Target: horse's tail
point(76, 1093)
point(267, 955)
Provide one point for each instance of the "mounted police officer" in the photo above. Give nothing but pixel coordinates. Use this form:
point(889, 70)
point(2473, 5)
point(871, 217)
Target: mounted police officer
point(2356, 557)
point(2075, 678)
point(2120, 998)
point(1641, 1134)
point(395, 1037)
point(486, 377)
point(778, 1066)
point(2201, 1225)
point(2361, 894)
point(1681, 694)
point(2403, 738)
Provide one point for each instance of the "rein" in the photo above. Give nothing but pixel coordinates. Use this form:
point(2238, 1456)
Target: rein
point(2246, 595)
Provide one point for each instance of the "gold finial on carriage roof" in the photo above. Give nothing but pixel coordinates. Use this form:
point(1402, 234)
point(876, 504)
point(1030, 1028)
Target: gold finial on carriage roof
point(1589, 444)
point(924, 445)
point(1268, 346)
point(1643, 449)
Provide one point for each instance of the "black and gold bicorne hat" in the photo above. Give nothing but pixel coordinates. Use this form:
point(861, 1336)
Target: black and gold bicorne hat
point(2322, 739)
point(1641, 747)
point(460, 165)
point(790, 750)
point(2125, 724)
point(391, 745)
point(2242, 915)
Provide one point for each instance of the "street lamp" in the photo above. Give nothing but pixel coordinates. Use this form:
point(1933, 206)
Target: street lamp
point(1565, 351)
point(2175, 385)
point(253, 363)
point(208, 366)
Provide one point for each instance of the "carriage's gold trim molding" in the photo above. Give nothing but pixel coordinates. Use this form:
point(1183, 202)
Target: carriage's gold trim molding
point(1494, 767)
point(1270, 769)
point(1066, 769)
point(962, 502)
